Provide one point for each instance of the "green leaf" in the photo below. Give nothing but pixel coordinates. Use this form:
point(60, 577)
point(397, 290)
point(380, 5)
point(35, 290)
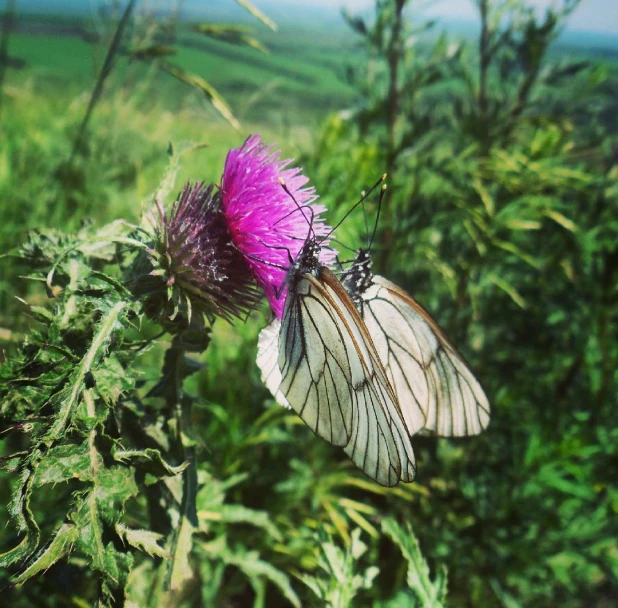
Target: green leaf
point(560, 219)
point(112, 381)
point(342, 575)
point(144, 540)
point(149, 460)
point(430, 593)
point(234, 34)
point(509, 289)
point(238, 514)
point(71, 394)
point(113, 487)
point(20, 512)
point(209, 91)
point(64, 462)
point(181, 570)
point(258, 14)
point(256, 569)
point(59, 547)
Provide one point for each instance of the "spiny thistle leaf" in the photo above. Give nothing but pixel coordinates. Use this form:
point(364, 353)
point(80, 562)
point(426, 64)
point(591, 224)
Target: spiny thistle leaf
point(429, 593)
point(342, 577)
point(58, 547)
point(149, 460)
point(145, 540)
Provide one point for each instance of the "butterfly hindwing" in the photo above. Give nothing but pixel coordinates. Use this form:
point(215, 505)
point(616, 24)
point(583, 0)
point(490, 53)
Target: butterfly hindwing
point(267, 360)
point(435, 388)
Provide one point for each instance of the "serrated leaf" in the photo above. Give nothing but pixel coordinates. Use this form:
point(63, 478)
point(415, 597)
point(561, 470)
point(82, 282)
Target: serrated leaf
point(150, 460)
point(430, 593)
point(20, 512)
point(181, 570)
point(72, 393)
point(64, 462)
point(112, 380)
point(144, 540)
point(104, 556)
point(59, 546)
point(25, 548)
point(13, 463)
point(114, 486)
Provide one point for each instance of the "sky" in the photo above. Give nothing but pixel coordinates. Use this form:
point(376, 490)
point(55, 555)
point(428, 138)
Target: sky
point(591, 16)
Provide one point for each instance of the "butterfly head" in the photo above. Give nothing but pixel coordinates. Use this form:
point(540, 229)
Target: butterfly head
point(359, 276)
point(307, 261)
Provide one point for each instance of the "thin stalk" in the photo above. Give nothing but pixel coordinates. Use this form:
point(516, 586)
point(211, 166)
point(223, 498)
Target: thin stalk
point(394, 57)
point(172, 577)
point(105, 331)
point(7, 28)
point(108, 65)
point(484, 61)
point(180, 567)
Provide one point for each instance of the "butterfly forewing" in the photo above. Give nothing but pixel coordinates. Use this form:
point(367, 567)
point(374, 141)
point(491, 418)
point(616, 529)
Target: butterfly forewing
point(316, 363)
point(434, 386)
point(378, 427)
point(328, 371)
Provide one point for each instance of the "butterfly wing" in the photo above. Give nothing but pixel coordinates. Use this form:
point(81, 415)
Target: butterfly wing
point(267, 356)
point(328, 371)
point(434, 386)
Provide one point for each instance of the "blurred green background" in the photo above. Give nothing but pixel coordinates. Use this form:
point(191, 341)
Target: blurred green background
point(500, 138)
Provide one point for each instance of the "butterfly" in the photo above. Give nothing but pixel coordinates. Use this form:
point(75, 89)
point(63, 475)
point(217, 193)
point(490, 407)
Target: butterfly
point(320, 361)
point(433, 384)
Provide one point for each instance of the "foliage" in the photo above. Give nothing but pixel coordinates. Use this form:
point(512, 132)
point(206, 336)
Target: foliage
point(502, 220)
point(143, 469)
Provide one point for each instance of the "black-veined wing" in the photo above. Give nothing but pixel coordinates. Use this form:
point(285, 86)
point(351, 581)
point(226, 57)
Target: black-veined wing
point(435, 388)
point(328, 371)
point(267, 360)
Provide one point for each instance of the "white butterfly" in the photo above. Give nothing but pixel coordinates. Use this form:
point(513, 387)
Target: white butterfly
point(435, 388)
point(320, 361)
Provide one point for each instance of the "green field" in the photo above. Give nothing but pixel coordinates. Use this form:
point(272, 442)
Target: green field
point(301, 72)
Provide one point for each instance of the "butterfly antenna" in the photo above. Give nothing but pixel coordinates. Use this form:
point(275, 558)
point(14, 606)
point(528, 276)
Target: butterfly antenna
point(364, 195)
point(342, 244)
point(301, 209)
point(375, 226)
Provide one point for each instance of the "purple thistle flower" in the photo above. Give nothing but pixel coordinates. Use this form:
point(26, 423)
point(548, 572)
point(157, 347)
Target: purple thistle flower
point(266, 224)
point(196, 261)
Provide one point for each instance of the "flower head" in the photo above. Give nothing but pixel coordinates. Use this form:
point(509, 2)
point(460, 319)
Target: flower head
point(269, 225)
point(196, 261)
